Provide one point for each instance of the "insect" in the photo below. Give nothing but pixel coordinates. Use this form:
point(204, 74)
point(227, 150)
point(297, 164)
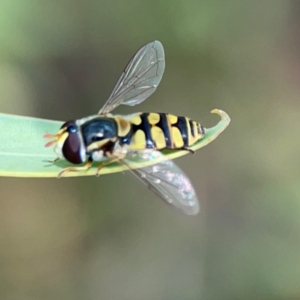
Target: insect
point(117, 138)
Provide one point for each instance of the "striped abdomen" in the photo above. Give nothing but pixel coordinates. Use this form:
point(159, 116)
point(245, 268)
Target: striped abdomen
point(161, 131)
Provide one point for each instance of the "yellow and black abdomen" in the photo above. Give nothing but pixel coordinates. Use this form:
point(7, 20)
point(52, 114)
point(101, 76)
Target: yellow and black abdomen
point(161, 131)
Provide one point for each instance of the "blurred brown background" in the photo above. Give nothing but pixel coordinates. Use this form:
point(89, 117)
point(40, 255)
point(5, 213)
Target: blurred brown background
point(110, 238)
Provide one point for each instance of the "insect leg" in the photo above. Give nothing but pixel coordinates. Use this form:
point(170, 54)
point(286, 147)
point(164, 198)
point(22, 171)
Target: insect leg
point(54, 160)
point(184, 148)
point(83, 168)
point(105, 163)
point(188, 149)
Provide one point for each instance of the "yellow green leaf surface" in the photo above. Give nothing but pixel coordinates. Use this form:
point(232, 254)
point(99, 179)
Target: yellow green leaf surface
point(22, 151)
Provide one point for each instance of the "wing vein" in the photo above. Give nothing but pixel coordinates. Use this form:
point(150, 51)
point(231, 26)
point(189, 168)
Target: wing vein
point(143, 72)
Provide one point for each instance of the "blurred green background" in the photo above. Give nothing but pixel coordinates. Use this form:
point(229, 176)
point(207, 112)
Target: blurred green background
point(110, 238)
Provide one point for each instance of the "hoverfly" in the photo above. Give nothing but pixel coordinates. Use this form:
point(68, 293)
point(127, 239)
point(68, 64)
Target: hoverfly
point(115, 138)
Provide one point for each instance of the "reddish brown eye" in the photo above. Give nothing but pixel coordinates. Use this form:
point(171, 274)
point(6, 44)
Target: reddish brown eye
point(72, 145)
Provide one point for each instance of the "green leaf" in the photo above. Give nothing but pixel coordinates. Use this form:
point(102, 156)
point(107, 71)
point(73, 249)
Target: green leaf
point(22, 151)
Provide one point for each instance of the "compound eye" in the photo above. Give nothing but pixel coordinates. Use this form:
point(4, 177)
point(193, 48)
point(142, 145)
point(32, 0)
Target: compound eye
point(72, 147)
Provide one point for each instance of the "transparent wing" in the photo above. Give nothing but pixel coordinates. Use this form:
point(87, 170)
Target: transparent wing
point(168, 182)
point(140, 78)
